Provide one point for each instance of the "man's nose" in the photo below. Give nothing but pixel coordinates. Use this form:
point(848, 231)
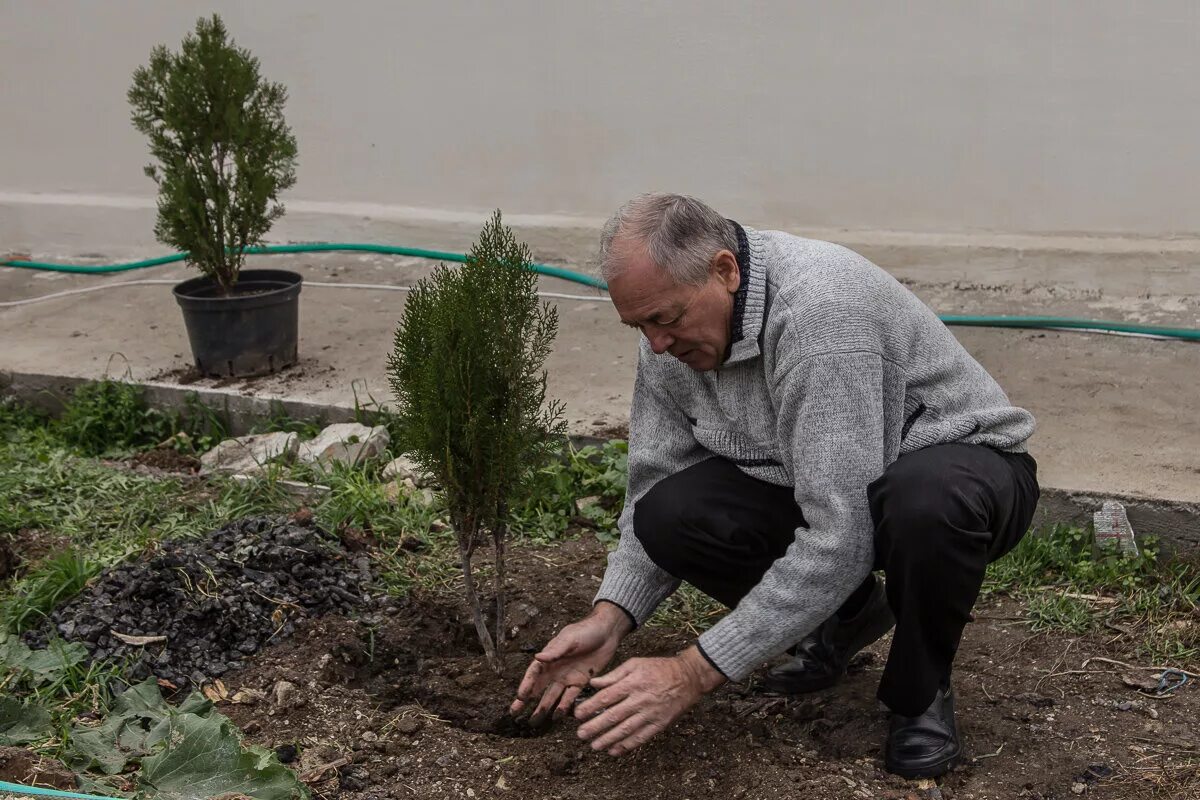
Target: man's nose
point(660, 341)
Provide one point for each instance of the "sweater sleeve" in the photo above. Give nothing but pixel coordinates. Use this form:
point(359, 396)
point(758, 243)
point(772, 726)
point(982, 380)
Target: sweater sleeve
point(660, 444)
point(830, 426)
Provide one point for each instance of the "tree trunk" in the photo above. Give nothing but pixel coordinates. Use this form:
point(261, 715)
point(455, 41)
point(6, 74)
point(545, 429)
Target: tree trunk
point(498, 537)
point(485, 638)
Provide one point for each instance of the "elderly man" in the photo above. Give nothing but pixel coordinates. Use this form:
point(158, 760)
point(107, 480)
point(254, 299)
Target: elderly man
point(799, 420)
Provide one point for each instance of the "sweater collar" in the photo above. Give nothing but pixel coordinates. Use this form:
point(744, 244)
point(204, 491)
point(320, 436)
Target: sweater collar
point(746, 323)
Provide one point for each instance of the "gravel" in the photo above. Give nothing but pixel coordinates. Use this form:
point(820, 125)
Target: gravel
point(217, 599)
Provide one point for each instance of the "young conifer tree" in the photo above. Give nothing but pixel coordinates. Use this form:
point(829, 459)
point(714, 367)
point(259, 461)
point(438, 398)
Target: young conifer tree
point(224, 152)
point(468, 374)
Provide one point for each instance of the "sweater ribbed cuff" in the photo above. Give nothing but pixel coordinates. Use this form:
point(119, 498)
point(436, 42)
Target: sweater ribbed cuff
point(631, 592)
point(731, 653)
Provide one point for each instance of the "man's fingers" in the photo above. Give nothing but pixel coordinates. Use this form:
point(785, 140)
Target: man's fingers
point(605, 698)
point(636, 739)
point(549, 699)
point(568, 697)
point(611, 677)
point(618, 733)
point(610, 717)
point(528, 689)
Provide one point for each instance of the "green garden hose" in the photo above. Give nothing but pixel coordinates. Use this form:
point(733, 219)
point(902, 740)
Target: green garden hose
point(316, 247)
point(989, 321)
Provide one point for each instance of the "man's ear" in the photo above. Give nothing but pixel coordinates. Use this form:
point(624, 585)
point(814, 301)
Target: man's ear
point(725, 264)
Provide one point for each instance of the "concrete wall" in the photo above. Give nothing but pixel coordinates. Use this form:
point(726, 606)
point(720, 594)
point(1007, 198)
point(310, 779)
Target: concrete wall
point(928, 116)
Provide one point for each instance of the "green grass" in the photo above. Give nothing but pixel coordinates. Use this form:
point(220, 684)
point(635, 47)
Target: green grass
point(1069, 585)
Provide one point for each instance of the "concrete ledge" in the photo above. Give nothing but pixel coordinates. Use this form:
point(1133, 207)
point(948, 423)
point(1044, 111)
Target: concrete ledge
point(1175, 524)
point(118, 227)
point(238, 412)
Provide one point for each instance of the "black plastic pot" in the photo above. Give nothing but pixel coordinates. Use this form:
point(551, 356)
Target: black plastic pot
point(253, 331)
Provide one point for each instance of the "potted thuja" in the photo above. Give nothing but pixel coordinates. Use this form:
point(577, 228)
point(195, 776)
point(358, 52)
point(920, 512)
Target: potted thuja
point(223, 154)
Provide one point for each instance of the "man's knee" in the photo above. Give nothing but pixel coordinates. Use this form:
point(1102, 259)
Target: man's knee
point(916, 504)
point(660, 519)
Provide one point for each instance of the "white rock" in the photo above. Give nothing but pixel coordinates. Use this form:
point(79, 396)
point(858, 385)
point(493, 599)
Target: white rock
point(346, 442)
point(249, 455)
point(401, 468)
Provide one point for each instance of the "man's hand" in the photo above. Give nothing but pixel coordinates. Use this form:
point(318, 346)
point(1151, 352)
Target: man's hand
point(572, 658)
point(642, 697)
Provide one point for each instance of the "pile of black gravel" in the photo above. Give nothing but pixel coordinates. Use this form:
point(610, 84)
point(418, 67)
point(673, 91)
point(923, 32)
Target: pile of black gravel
point(216, 600)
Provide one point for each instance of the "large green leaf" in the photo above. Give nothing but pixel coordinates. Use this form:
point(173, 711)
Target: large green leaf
point(22, 724)
point(204, 758)
point(40, 667)
point(133, 728)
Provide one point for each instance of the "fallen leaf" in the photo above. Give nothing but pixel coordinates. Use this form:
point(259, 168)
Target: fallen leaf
point(247, 696)
point(21, 723)
point(138, 641)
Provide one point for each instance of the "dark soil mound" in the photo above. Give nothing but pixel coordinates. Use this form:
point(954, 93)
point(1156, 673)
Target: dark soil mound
point(215, 600)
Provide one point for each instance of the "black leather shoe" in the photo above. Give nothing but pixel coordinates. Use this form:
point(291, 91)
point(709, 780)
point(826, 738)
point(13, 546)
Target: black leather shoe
point(819, 661)
point(927, 745)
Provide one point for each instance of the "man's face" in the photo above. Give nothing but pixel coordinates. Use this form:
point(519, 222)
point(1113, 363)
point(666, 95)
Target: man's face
point(689, 322)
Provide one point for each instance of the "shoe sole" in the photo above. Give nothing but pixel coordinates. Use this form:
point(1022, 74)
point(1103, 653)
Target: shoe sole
point(935, 770)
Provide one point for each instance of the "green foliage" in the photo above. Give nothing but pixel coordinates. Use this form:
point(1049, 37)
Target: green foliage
point(1070, 584)
point(204, 758)
point(135, 725)
point(224, 152)
point(57, 579)
point(51, 685)
point(186, 752)
point(585, 487)
point(467, 371)
point(22, 723)
point(109, 417)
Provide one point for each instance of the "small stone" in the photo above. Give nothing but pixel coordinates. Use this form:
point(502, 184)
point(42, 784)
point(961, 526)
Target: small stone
point(409, 725)
point(468, 680)
point(370, 736)
point(1078, 788)
point(502, 784)
point(284, 694)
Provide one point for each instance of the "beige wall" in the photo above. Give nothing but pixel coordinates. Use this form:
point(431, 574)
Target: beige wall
point(950, 116)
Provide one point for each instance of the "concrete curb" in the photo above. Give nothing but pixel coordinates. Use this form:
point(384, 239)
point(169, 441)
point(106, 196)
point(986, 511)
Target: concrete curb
point(1176, 524)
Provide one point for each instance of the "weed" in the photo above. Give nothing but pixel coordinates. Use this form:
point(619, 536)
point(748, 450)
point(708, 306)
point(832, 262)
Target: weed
point(687, 609)
point(585, 485)
point(1070, 584)
point(59, 578)
point(110, 416)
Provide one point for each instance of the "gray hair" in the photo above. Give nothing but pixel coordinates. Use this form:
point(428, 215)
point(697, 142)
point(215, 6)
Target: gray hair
point(680, 233)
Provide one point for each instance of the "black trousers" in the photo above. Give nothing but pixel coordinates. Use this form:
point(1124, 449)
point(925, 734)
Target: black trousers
point(941, 515)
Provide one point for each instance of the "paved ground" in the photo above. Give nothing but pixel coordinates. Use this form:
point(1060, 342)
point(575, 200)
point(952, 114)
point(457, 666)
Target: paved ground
point(1115, 414)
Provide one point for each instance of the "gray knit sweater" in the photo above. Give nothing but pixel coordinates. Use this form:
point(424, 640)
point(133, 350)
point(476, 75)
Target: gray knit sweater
point(835, 371)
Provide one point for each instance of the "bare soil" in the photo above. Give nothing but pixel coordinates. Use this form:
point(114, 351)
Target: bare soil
point(18, 765)
point(408, 709)
point(165, 460)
